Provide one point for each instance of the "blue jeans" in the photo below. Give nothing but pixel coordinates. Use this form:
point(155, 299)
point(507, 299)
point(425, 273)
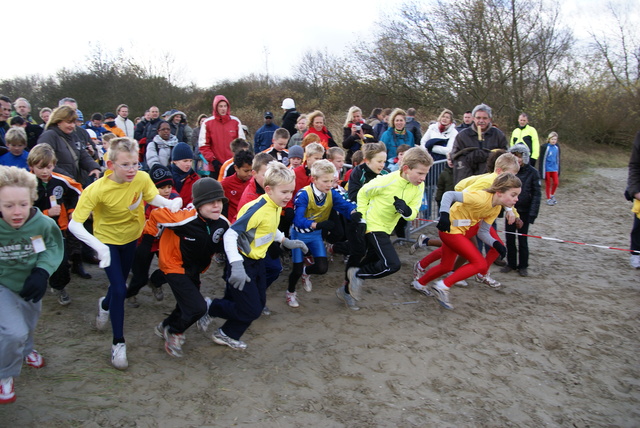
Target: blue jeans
point(117, 272)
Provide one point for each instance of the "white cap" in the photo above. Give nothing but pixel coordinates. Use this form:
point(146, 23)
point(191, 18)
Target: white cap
point(92, 134)
point(288, 103)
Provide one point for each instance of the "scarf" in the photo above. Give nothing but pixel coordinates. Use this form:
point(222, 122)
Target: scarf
point(402, 131)
point(179, 176)
point(442, 127)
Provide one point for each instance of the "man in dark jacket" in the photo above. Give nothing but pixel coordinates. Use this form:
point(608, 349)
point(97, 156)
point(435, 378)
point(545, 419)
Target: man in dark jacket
point(473, 145)
point(149, 128)
point(633, 194)
point(5, 114)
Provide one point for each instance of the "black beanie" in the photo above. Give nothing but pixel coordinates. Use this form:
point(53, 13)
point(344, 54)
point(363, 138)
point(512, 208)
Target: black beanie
point(207, 190)
point(161, 176)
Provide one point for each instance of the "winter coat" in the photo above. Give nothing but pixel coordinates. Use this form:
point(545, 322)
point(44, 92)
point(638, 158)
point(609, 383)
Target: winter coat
point(470, 156)
point(159, 151)
point(289, 120)
point(393, 140)
point(126, 125)
point(529, 198)
point(217, 132)
point(435, 148)
point(78, 168)
point(416, 129)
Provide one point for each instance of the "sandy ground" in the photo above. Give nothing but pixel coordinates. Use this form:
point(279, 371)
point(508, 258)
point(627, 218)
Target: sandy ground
point(559, 348)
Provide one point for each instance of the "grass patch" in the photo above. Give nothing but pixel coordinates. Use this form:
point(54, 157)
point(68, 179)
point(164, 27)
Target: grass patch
point(578, 159)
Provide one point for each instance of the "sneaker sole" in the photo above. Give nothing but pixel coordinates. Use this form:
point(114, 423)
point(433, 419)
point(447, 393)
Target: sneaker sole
point(424, 292)
point(442, 303)
point(225, 343)
point(343, 300)
point(172, 352)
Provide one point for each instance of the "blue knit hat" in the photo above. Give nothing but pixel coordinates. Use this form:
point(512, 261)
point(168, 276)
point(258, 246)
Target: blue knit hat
point(181, 151)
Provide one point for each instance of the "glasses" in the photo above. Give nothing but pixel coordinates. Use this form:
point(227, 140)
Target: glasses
point(129, 167)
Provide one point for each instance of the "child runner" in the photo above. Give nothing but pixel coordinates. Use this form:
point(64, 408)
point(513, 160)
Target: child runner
point(238, 145)
point(118, 219)
point(57, 198)
point(235, 184)
point(31, 249)
point(528, 206)
point(189, 239)
point(183, 174)
point(473, 214)
point(381, 203)
point(296, 156)
point(246, 243)
point(313, 206)
point(550, 167)
point(148, 245)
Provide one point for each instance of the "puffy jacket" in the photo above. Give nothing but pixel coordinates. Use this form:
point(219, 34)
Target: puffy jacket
point(78, 168)
point(393, 140)
point(217, 132)
point(449, 135)
point(289, 120)
point(529, 198)
point(159, 150)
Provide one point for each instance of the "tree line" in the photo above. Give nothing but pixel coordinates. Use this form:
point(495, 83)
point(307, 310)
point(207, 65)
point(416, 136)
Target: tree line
point(515, 55)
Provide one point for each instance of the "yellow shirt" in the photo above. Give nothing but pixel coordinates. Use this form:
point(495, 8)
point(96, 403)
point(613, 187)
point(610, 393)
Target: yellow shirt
point(118, 209)
point(476, 182)
point(477, 206)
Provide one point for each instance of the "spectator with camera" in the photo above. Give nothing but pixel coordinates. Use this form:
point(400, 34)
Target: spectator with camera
point(354, 131)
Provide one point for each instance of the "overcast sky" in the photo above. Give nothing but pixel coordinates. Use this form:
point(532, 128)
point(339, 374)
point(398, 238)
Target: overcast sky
point(212, 41)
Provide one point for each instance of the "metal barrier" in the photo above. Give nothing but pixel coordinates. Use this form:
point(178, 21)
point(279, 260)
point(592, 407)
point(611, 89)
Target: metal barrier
point(429, 208)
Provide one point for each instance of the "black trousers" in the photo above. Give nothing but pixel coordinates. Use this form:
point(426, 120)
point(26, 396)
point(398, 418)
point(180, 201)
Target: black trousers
point(518, 258)
point(190, 305)
point(381, 259)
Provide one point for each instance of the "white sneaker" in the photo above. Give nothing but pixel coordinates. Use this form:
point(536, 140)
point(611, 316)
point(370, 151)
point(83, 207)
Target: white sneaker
point(415, 285)
point(418, 271)
point(441, 292)
point(355, 283)
point(634, 261)
point(461, 283)
point(203, 323)
point(487, 280)
point(119, 356)
point(7, 391)
point(306, 282)
point(102, 319)
point(292, 299)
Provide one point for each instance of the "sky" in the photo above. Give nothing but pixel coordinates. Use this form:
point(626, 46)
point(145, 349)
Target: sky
point(209, 41)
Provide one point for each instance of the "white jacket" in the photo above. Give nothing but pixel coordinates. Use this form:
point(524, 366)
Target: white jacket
point(126, 125)
point(433, 132)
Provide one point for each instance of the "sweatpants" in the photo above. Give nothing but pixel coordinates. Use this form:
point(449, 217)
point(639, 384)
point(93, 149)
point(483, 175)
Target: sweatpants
point(381, 259)
point(190, 305)
point(635, 235)
point(241, 308)
point(117, 272)
point(18, 319)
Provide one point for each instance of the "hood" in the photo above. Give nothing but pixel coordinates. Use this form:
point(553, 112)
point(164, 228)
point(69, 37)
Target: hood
point(184, 116)
point(216, 100)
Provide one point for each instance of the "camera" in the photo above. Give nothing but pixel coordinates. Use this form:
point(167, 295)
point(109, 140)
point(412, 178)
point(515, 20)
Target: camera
point(358, 128)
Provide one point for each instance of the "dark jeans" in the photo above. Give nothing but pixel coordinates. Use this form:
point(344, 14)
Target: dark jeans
point(515, 260)
point(635, 234)
point(117, 272)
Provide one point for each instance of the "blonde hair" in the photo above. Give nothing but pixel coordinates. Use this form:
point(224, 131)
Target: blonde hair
point(394, 113)
point(121, 145)
point(551, 135)
point(445, 111)
point(312, 116)
point(42, 155)
point(260, 160)
point(310, 139)
point(16, 136)
point(322, 167)
point(302, 116)
point(369, 150)
point(507, 161)
point(61, 114)
point(352, 110)
point(278, 174)
point(12, 176)
point(334, 151)
point(314, 149)
point(416, 156)
point(106, 138)
point(504, 182)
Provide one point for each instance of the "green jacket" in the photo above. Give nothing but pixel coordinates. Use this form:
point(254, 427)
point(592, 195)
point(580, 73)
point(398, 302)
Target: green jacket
point(17, 256)
point(529, 136)
point(375, 201)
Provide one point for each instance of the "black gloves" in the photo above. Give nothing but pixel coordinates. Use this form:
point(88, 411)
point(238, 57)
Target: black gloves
point(501, 249)
point(35, 286)
point(326, 225)
point(401, 207)
point(356, 217)
point(444, 224)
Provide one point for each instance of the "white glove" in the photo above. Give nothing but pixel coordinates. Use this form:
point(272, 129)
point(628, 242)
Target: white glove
point(83, 234)
point(175, 205)
point(295, 243)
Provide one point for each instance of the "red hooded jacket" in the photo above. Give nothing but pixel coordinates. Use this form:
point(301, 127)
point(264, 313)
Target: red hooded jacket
point(217, 132)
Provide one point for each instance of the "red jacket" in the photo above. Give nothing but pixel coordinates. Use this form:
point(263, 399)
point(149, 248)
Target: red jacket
point(217, 132)
point(251, 192)
point(326, 139)
point(233, 190)
point(186, 193)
